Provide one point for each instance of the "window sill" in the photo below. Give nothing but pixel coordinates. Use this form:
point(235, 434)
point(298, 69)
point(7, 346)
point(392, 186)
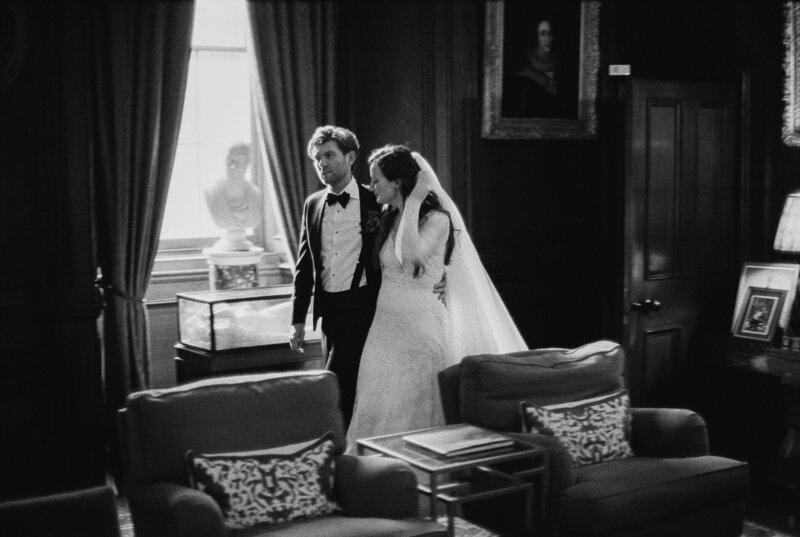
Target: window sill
point(187, 271)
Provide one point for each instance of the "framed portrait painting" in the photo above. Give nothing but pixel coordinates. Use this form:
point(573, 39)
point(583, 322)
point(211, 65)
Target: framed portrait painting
point(791, 74)
point(759, 317)
point(541, 62)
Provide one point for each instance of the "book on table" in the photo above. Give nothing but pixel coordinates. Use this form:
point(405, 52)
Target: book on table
point(459, 440)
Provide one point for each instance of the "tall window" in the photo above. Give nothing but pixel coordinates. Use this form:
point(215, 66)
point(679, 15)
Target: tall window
point(217, 113)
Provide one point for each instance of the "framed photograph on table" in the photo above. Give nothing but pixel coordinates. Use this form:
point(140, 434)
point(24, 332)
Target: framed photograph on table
point(778, 276)
point(541, 62)
point(759, 317)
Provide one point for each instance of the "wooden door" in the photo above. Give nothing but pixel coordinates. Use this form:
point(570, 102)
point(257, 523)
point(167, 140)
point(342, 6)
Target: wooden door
point(680, 230)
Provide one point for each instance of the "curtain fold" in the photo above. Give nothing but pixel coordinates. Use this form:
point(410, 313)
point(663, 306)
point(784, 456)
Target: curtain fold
point(294, 45)
point(140, 57)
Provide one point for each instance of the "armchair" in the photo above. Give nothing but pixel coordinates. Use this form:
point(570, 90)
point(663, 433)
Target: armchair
point(671, 486)
point(377, 496)
point(76, 513)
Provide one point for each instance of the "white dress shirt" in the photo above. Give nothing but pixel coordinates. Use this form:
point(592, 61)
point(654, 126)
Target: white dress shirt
point(340, 240)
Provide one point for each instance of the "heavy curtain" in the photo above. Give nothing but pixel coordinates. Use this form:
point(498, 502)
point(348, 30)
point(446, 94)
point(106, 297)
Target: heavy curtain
point(294, 44)
point(140, 61)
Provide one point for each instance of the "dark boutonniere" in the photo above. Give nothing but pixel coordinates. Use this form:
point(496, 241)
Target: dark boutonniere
point(372, 222)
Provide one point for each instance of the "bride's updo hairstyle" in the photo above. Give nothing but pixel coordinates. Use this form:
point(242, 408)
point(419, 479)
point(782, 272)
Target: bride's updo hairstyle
point(398, 164)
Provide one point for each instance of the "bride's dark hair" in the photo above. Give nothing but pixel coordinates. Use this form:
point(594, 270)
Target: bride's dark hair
point(397, 163)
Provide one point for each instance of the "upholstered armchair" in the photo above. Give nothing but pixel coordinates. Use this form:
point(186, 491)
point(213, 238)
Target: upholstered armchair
point(282, 431)
point(76, 513)
point(670, 486)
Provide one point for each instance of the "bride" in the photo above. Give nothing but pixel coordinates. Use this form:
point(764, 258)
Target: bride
point(414, 335)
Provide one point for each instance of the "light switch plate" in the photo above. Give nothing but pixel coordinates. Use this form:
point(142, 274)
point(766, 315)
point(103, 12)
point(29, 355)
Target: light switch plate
point(619, 70)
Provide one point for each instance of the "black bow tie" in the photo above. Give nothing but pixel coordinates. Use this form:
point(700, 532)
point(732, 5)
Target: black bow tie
point(342, 198)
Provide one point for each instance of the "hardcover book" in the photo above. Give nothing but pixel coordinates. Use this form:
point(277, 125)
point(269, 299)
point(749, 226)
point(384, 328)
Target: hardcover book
point(458, 440)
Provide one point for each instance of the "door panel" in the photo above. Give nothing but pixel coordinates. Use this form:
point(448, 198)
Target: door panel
point(661, 240)
point(680, 228)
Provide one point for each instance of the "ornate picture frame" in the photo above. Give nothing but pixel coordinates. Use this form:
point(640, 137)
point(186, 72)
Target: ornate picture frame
point(759, 317)
point(791, 74)
point(537, 89)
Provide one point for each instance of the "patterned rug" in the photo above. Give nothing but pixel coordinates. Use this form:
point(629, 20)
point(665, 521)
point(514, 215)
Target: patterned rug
point(462, 527)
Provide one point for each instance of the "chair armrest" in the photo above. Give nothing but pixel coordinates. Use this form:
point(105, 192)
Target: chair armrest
point(88, 511)
point(560, 472)
point(668, 432)
point(374, 486)
point(176, 510)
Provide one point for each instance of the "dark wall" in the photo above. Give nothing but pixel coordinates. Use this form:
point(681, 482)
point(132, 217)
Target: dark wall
point(547, 216)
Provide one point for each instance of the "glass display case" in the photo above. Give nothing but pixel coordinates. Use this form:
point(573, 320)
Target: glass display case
point(238, 318)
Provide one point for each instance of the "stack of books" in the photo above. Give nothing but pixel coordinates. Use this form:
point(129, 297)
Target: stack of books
point(462, 439)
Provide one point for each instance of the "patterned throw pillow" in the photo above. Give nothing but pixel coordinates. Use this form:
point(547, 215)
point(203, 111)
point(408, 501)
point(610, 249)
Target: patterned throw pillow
point(593, 430)
point(268, 486)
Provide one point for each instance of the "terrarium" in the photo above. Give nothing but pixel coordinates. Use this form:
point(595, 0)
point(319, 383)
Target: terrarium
point(237, 318)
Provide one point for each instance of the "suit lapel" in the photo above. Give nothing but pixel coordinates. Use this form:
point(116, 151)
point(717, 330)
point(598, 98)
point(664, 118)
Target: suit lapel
point(316, 225)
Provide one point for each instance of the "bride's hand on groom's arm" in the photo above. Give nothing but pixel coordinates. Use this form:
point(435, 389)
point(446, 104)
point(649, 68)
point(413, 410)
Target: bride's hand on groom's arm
point(298, 335)
point(440, 288)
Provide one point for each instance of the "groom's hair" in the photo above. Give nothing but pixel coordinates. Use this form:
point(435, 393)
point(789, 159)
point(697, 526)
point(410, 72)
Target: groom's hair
point(345, 139)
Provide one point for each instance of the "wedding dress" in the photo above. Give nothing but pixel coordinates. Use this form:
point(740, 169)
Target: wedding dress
point(407, 344)
point(414, 335)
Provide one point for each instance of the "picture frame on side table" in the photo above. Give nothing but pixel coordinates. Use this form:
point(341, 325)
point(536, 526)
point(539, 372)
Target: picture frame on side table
point(541, 63)
point(773, 276)
point(759, 317)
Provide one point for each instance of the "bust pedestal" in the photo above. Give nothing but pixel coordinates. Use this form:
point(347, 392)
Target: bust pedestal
point(233, 269)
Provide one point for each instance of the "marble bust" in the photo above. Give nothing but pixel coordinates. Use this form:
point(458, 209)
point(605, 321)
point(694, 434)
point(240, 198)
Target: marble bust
point(233, 201)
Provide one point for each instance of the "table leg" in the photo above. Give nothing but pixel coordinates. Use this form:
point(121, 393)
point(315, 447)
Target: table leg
point(787, 471)
point(529, 498)
point(451, 527)
point(432, 499)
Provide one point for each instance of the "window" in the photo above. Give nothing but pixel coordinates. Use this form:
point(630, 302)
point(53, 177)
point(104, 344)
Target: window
point(217, 112)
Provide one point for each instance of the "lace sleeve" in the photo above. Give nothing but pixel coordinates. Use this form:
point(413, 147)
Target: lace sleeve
point(407, 243)
point(425, 240)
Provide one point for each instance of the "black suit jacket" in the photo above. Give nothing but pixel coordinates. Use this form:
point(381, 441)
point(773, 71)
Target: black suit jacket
point(308, 269)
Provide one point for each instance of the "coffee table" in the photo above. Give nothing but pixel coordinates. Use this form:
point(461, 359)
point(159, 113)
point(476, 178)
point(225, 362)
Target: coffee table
point(522, 467)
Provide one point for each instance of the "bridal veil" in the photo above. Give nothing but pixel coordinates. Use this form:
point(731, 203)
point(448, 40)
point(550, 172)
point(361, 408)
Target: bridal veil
point(479, 320)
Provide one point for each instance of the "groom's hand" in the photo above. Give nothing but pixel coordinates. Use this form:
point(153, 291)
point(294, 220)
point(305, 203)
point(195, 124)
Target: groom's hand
point(298, 337)
point(440, 288)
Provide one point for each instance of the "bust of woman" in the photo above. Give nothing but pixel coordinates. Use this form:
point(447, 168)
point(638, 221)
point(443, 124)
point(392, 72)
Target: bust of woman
point(235, 202)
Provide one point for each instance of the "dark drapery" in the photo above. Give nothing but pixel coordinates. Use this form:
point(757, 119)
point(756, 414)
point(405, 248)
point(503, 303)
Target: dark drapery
point(294, 46)
point(140, 61)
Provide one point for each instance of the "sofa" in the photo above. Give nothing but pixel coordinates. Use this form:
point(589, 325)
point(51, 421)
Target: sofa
point(670, 485)
point(258, 455)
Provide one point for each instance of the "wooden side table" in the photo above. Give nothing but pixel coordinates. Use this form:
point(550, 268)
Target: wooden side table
point(784, 364)
point(452, 480)
point(194, 364)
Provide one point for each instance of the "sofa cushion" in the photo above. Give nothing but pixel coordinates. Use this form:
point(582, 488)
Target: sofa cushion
point(268, 486)
point(593, 430)
point(610, 496)
point(228, 414)
point(492, 385)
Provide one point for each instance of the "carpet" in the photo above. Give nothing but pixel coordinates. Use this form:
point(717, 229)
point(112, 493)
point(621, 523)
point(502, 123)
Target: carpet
point(462, 527)
point(465, 529)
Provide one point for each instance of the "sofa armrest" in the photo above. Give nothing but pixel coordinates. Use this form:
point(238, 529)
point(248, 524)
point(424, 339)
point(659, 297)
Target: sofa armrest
point(374, 486)
point(668, 432)
point(560, 472)
point(170, 509)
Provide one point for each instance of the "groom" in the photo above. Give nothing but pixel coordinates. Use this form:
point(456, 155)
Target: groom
point(334, 259)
